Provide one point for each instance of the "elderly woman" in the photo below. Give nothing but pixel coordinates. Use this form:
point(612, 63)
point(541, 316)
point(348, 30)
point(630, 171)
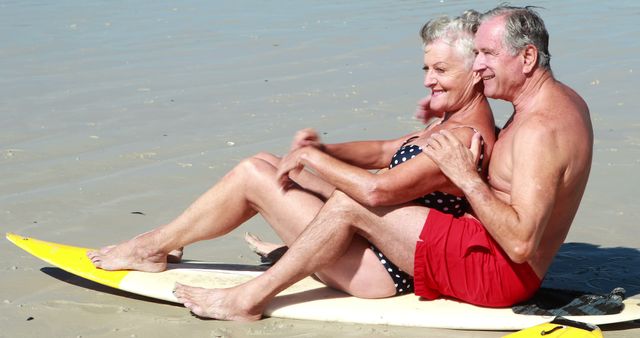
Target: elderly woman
point(397, 197)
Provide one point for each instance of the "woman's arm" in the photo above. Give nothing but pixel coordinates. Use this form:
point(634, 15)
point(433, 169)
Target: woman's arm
point(362, 154)
point(406, 182)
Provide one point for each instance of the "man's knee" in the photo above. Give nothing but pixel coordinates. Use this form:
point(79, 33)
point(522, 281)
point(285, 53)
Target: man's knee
point(343, 205)
point(340, 198)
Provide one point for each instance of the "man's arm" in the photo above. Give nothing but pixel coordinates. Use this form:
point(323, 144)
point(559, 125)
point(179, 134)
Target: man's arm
point(518, 224)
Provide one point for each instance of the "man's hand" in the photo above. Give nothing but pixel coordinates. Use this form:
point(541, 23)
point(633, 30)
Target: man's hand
point(453, 158)
point(424, 112)
point(305, 138)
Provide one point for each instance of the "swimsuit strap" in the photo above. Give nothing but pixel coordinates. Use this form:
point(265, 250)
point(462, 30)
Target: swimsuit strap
point(409, 140)
point(432, 124)
point(470, 127)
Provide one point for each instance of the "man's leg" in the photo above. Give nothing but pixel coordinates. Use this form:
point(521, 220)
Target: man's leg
point(330, 247)
point(248, 189)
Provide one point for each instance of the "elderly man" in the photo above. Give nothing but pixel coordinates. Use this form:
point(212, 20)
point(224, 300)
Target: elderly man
point(542, 158)
point(498, 255)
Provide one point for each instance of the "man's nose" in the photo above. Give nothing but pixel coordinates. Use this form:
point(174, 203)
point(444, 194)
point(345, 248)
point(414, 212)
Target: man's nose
point(479, 63)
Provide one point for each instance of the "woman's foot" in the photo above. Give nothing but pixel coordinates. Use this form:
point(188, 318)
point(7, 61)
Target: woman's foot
point(269, 253)
point(130, 255)
point(175, 256)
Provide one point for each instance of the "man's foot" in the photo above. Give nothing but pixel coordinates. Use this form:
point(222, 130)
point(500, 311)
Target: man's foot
point(130, 255)
point(269, 253)
point(216, 303)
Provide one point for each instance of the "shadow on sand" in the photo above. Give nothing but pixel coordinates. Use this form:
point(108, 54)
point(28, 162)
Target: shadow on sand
point(70, 278)
point(597, 270)
point(594, 269)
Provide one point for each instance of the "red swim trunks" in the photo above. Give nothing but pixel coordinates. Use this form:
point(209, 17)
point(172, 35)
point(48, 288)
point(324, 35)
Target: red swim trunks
point(457, 258)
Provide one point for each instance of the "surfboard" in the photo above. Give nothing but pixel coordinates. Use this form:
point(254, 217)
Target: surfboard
point(307, 299)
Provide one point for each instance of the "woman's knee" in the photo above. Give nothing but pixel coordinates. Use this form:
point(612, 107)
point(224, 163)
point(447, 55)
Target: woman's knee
point(259, 162)
point(267, 157)
point(253, 170)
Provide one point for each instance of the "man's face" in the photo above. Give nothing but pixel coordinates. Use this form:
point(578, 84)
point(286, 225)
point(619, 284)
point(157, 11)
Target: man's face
point(501, 72)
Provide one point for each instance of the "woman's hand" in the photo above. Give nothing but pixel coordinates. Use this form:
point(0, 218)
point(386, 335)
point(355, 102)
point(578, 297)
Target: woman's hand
point(424, 112)
point(307, 137)
point(289, 164)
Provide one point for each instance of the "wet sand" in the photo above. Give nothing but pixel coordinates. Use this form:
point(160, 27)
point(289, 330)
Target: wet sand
point(116, 117)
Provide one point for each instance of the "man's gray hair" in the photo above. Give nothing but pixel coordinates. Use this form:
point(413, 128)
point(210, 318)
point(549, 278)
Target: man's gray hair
point(457, 32)
point(523, 27)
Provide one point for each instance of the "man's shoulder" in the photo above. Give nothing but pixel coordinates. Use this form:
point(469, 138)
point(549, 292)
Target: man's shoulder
point(537, 128)
point(558, 107)
point(559, 120)
point(559, 97)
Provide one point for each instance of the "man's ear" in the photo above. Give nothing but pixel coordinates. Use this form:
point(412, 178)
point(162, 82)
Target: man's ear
point(529, 58)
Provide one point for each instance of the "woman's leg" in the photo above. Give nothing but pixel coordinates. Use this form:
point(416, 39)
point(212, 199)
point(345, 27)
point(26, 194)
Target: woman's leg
point(305, 179)
point(247, 189)
point(269, 252)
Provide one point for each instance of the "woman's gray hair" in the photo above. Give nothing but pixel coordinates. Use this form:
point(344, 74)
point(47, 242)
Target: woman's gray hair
point(457, 32)
point(523, 27)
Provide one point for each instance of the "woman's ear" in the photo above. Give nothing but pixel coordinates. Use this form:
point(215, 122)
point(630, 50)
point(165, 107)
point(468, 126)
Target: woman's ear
point(529, 58)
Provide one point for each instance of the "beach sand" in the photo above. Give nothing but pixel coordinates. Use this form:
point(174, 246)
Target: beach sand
point(115, 116)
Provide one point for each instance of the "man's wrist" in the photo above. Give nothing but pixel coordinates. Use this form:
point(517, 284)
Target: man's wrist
point(472, 185)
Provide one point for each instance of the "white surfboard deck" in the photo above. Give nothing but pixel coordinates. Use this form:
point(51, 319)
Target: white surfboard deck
point(307, 299)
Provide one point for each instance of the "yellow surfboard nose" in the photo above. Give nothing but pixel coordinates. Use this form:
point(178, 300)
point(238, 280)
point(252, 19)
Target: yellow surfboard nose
point(69, 258)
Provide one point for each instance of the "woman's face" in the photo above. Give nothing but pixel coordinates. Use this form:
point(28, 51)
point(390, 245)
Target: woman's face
point(450, 77)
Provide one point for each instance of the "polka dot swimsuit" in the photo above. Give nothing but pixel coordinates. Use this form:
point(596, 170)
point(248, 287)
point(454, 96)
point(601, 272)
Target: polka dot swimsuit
point(446, 203)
